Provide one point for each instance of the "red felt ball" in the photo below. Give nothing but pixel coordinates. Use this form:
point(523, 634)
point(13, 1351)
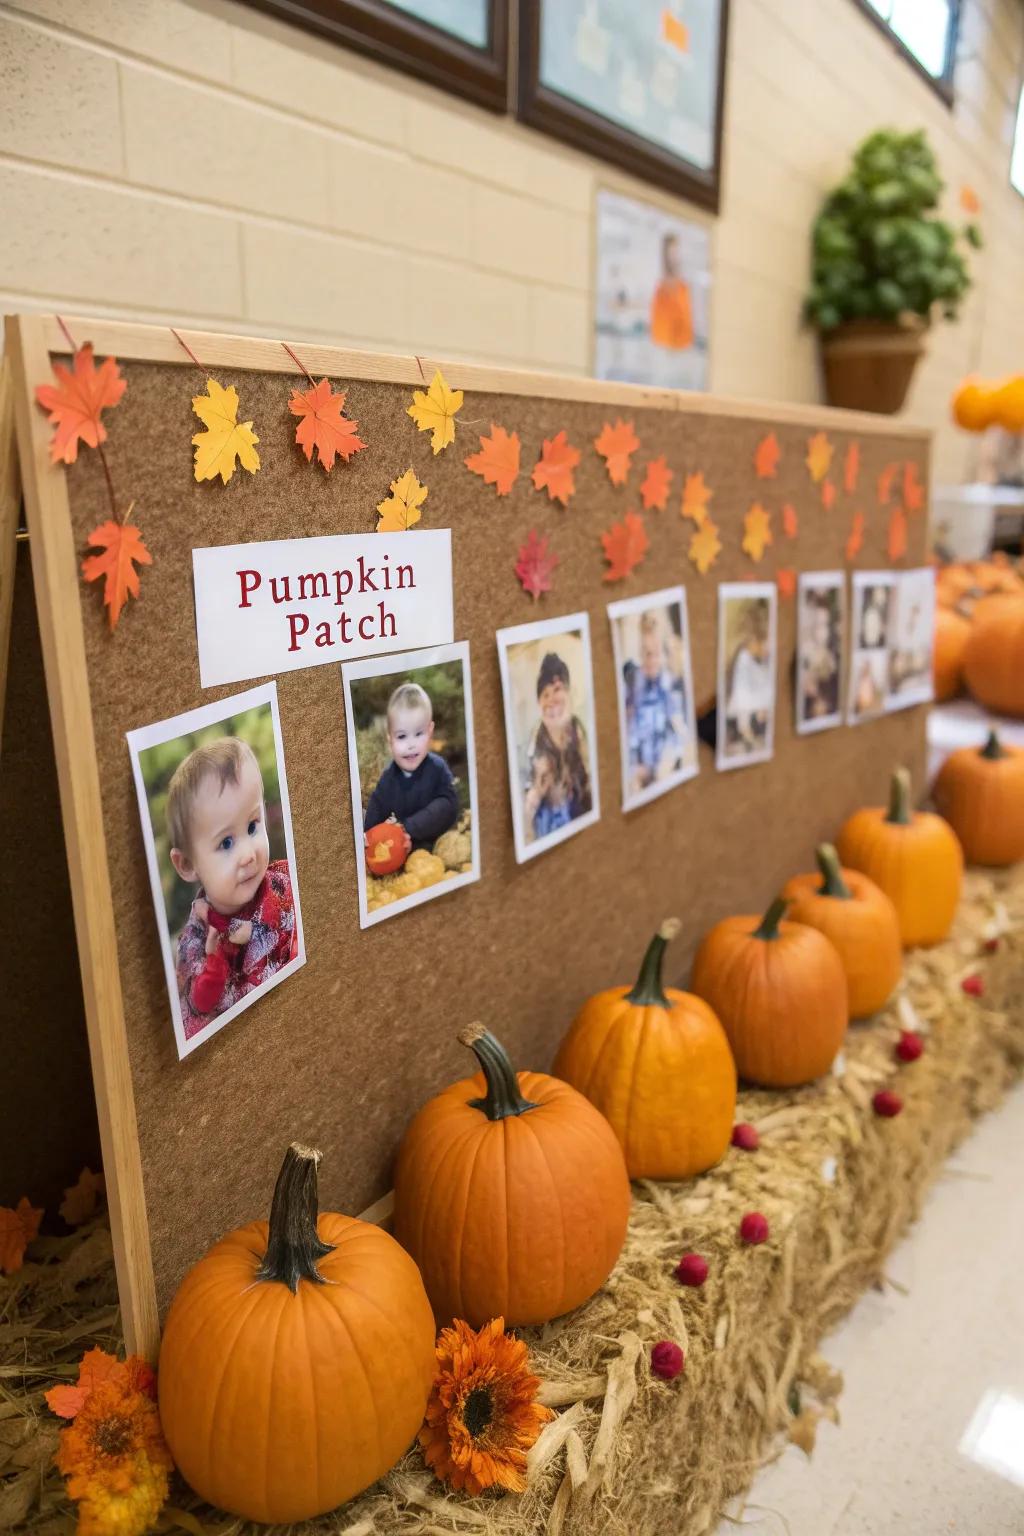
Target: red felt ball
point(974, 986)
point(909, 1046)
point(991, 945)
point(692, 1269)
point(667, 1360)
point(887, 1104)
point(754, 1227)
point(745, 1137)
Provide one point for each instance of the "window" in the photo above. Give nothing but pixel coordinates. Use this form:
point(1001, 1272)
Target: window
point(924, 31)
point(1017, 156)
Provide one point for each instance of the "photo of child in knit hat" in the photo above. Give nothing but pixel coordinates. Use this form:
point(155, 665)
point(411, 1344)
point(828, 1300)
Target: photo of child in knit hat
point(746, 673)
point(821, 609)
point(215, 819)
point(651, 642)
point(547, 682)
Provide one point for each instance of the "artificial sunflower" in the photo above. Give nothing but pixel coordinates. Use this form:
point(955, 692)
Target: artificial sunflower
point(115, 1460)
point(481, 1418)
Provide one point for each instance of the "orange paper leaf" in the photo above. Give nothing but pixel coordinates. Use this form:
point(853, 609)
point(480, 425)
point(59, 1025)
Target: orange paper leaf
point(655, 489)
point(674, 31)
point(885, 481)
point(497, 463)
point(913, 490)
point(553, 471)
point(617, 445)
point(856, 536)
point(819, 456)
point(95, 1368)
point(17, 1229)
point(323, 426)
point(74, 403)
point(535, 565)
point(81, 1200)
point(790, 521)
point(757, 531)
point(970, 202)
point(766, 457)
point(705, 545)
point(828, 495)
point(123, 550)
point(625, 545)
point(897, 533)
point(851, 468)
point(696, 496)
point(786, 580)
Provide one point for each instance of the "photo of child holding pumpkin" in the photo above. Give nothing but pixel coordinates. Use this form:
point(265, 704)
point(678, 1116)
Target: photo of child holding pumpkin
point(819, 666)
point(910, 655)
point(651, 642)
point(413, 777)
point(746, 673)
point(870, 627)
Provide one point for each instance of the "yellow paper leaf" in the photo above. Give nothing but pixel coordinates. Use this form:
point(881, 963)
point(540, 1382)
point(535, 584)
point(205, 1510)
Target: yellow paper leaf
point(403, 507)
point(819, 456)
point(705, 546)
point(226, 438)
point(757, 531)
point(435, 411)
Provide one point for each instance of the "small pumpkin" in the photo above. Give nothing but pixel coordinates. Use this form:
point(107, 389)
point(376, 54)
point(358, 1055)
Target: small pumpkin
point(859, 919)
point(951, 636)
point(994, 659)
point(387, 847)
point(427, 867)
point(779, 989)
point(297, 1358)
point(511, 1194)
point(455, 848)
point(913, 855)
point(655, 1061)
point(981, 795)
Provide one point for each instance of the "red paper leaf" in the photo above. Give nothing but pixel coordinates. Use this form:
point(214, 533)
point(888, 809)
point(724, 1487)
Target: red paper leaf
point(553, 471)
point(766, 457)
point(497, 463)
point(828, 495)
point(885, 481)
point(913, 490)
point(323, 426)
point(625, 545)
point(655, 489)
point(617, 445)
point(123, 549)
point(851, 468)
point(535, 565)
point(790, 521)
point(897, 533)
point(856, 536)
point(75, 402)
point(786, 580)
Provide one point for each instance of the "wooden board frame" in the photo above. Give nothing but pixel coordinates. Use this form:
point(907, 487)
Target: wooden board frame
point(31, 340)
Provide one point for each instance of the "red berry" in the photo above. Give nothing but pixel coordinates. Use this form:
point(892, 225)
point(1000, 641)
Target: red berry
point(692, 1269)
point(754, 1227)
point(974, 986)
point(887, 1104)
point(667, 1360)
point(909, 1046)
point(745, 1137)
point(991, 945)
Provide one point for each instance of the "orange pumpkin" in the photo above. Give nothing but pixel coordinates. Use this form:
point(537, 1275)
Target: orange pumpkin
point(972, 406)
point(981, 795)
point(655, 1061)
point(296, 1360)
point(994, 659)
point(387, 847)
point(780, 991)
point(951, 634)
point(915, 858)
point(859, 919)
point(511, 1194)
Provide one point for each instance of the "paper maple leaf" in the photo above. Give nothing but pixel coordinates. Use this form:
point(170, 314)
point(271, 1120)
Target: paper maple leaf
point(123, 550)
point(757, 531)
point(95, 1368)
point(435, 411)
point(885, 481)
point(705, 546)
point(819, 456)
point(851, 468)
point(81, 1199)
point(497, 463)
point(766, 457)
point(625, 545)
point(856, 536)
point(790, 521)
point(785, 578)
point(323, 426)
point(74, 403)
point(696, 496)
point(535, 565)
point(913, 490)
point(403, 507)
point(617, 445)
point(553, 471)
point(657, 481)
point(828, 495)
point(17, 1229)
point(226, 438)
point(897, 534)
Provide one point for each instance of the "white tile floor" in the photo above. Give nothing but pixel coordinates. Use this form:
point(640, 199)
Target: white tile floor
point(932, 1433)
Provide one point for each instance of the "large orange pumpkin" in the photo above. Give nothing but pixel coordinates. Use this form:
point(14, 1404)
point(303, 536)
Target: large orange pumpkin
point(981, 795)
point(994, 659)
point(296, 1360)
point(780, 991)
point(951, 635)
point(915, 858)
point(511, 1194)
point(655, 1061)
point(859, 919)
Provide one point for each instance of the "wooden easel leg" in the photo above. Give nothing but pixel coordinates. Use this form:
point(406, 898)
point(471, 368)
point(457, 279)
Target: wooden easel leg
point(10, 506)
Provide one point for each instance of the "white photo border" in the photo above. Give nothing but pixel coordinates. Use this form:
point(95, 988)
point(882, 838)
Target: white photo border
point(385, 666)
point(523, 634)
point(834, 581)
point(168, 730)
point(859, 581)
point(926, 693)
point(727, 592)
point(665, 598)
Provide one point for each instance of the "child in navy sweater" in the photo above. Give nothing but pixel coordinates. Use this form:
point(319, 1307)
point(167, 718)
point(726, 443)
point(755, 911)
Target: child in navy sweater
point(417, 787)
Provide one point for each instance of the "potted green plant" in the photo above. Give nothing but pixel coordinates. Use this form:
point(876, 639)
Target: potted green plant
point(882, 262)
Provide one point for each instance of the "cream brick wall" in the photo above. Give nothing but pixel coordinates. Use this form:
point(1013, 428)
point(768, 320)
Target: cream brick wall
point(195, 161)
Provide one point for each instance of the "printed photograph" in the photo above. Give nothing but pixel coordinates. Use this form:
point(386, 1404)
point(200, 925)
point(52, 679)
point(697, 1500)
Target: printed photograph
point(213, 801)
point(548, 687)
point(870, 622)
point(913, 624)
point(819, 657)
point(413, 776)
point(746, 673)
point(657, 727)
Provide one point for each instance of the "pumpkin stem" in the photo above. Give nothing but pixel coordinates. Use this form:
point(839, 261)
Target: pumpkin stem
point(768, 927)
point(648, 991)
point(293, 1246)
point(503, 1096)
point(899, 798)
point(993, 748)
point(832, 882)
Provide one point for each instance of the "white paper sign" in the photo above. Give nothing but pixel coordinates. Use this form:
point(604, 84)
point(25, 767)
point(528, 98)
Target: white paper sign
point(291, 603)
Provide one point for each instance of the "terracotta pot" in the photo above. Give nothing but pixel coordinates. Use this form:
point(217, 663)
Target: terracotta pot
point(869, 363)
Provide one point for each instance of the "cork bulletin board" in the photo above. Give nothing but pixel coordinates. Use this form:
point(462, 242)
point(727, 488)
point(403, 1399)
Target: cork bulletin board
point(343, 1052)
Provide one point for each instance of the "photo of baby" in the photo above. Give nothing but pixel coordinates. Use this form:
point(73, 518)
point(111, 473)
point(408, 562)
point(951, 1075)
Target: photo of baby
point(547, 681)
point(913, 624)
point(214, 805)
point(870, 621)
point(819, 664)
point(413, 776)
point(651, 643)
point(746, 673)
